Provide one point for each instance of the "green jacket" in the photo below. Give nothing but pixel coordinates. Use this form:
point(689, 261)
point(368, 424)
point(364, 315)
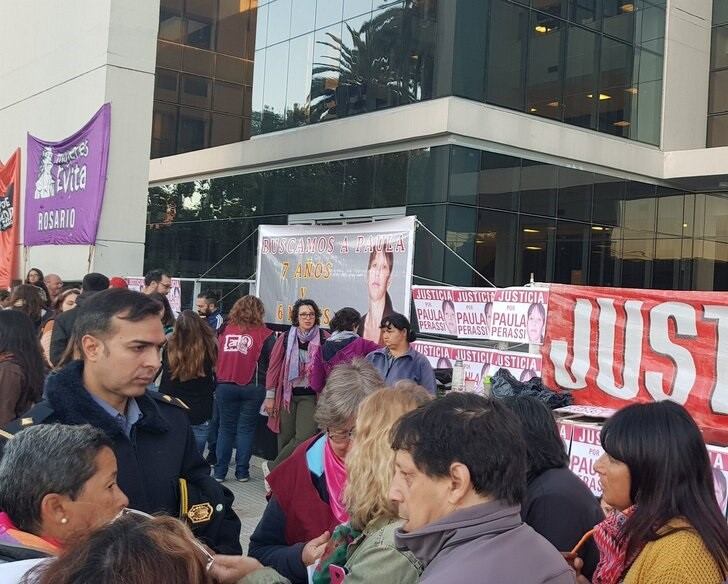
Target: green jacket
point(373, 558)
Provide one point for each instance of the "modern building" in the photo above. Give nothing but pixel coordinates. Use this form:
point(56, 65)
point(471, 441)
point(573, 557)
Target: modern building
point(576, 141)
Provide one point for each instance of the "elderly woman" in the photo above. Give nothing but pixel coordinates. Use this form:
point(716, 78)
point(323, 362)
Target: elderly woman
point(364, 548)
point(307, 489)
point(57, 483)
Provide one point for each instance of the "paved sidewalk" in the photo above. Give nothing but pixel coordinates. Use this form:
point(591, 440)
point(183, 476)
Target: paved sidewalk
point(249, 499)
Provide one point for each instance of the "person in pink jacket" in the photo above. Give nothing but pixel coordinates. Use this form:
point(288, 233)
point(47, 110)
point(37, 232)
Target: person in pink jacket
point(342, 346)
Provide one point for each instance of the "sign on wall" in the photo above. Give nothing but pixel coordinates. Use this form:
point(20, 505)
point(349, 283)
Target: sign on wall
point(364, 266)
point(499, 314)
point(174, 297)
point(480, 362)
point(65, 183)
point(9, 206)
point(615, 346)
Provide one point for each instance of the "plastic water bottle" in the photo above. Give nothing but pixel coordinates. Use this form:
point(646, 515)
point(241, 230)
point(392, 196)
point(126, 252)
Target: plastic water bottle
point(487, 385)
point(458, 376)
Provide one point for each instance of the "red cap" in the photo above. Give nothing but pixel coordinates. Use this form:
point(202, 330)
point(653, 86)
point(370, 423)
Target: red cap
point(117, 282)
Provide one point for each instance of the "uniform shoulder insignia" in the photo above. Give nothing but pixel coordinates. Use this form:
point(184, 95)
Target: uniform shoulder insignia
point(38, 414)
point(168, 399)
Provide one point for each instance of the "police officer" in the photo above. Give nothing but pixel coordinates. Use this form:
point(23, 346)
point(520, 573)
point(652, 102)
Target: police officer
point(118, 334)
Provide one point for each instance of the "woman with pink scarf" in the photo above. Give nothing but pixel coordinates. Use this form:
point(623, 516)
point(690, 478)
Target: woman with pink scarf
point(289, 400)
point(306, 499)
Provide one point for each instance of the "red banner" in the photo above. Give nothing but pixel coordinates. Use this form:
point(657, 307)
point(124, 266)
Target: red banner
point(9, 205)
point(615, 346)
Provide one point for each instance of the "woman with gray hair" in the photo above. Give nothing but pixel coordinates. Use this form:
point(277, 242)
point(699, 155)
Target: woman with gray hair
point(306, 500)
point(56, 483)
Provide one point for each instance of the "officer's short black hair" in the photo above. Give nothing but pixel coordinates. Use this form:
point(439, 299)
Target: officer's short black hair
point(95, 316)
point(481, 433)
point(94, 282)
point(155, 276)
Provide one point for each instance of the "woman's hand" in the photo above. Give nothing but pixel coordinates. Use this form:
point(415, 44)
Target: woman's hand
point(230, 569)
point(269, 406)
point(315, 548)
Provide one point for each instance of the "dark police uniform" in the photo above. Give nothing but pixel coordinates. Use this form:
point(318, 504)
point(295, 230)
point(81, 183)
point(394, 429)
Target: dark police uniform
point(160, 468)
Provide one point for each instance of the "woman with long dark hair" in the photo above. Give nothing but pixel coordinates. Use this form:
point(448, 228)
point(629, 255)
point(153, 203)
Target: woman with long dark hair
point(167, 314)
point(64, 301)
point(28, 299)
point(35, 277)
point(188, 371)
point(558, 505)
point(22, 368)
point(667, 526)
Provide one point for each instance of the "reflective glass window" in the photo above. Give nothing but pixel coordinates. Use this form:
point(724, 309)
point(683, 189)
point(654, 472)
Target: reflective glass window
point(580, 82)
point(328, 12)
point(572, 253)
point(575, 193)
point(303, 17)
point(507, 50)
point(537, 237)
point(544, 89)
point(538, 188)
point(274, 93)
point(496, 242)
point(279, 21)
point(300, 62)
point(499, 181)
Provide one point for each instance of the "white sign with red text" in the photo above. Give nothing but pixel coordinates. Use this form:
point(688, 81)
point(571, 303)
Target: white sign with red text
point(479, 362)
point(497, 314)
point(586, 448)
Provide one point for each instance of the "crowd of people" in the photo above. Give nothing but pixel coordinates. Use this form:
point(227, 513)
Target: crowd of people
point(119, 421)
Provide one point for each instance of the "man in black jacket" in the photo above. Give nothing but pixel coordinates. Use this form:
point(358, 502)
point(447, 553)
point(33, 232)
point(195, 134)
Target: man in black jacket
point(160, 469)
point(63, 325)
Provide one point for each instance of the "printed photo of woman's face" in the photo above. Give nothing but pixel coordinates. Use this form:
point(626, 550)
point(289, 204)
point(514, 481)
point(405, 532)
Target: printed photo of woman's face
point(535, 322)
point(378, 276)
point(451, 321)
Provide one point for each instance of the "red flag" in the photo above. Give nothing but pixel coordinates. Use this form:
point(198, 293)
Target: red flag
point(9, 206)
point(616, 346)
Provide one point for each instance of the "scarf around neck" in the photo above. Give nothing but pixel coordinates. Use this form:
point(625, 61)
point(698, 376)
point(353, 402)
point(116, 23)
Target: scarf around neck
point(335, 475)
point(11, 535)
point(294, 365)
point(613, 560)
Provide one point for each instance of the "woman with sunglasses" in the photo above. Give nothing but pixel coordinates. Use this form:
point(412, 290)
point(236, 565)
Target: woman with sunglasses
point(57, 483)
point(307, 489)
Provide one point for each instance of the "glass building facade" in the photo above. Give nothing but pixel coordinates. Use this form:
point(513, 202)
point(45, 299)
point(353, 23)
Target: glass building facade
point(228, 69)
point(510, 217)
point(718, 93)
point(204, 74)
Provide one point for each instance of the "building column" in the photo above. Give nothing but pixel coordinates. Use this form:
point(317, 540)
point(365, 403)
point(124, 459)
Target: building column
point(686, 74)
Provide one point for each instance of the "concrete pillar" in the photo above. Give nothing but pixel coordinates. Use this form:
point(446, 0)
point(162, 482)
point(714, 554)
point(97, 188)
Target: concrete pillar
point(60, 62)
point(686, 74)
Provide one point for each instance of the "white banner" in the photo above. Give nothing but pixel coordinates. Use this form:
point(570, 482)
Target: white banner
point(136, 283)
point(497, 314)
point(365, 266)
point(479, 362)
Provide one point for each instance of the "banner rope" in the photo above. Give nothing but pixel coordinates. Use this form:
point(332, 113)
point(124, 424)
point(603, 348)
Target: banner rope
point(451, 250)
point(228, 254)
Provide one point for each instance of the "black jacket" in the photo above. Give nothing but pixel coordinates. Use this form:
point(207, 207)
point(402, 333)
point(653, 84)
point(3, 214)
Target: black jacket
point(63, 328)
point(160, 451)
point(560, 507)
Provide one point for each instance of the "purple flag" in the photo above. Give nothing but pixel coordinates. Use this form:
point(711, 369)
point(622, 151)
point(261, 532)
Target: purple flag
point(65, 184)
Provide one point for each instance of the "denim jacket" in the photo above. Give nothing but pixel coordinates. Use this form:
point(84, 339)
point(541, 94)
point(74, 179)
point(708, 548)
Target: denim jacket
point(412, 365)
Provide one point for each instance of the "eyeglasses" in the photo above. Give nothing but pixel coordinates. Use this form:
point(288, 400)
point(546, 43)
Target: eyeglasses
point(306, 314)
point(209, 558)
point(340, 436)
